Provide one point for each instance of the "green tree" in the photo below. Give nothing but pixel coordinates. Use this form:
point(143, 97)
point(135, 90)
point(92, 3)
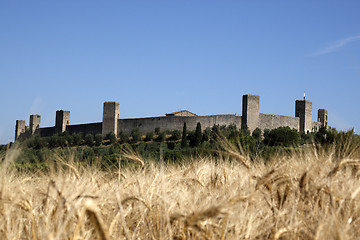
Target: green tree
point(136, 135)
point(325, 136)
point(184, 142)
point(282, 136)
point(171, 145)
point(161, 137)
point(123, 137)
point(257, 133)
point(198, 135)
point(77, 138)
point(98, 139)
point(149, 136)
point(111, 136)
point(175, 135)
point(89, 139)
point(206, 135)
point(244, 130)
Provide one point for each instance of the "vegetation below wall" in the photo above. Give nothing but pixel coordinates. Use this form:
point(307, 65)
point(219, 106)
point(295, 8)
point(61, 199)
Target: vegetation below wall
point(228, 184)
point(312, 193)
point(173, 146)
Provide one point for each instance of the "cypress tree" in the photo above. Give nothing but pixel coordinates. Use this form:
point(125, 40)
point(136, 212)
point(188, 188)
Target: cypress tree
point(198, 135)
point(184, 142)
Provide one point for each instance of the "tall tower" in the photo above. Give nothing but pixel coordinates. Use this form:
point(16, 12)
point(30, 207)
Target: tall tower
point(323, 117)
point(250, 111)
point(19, 128)
point(62, 120)
point(111, 113)
point(303, 110)
point(34, 123)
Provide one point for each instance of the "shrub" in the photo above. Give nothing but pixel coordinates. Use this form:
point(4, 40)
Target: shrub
point(215, 133)
point(149, 136)
point(98, 139)
point(111, 137)
point(36, 142)
point(77, 138)
point(257, 133)
point(206, 135)
point(171, 145)
point(123, 137)
point(161, 137)
point(175, 135)
point(230, 131)
point(62, 142)
point(282, 136)
point(191, 137)
point(245, 130)
point(136, 135)
point(157, 130)
point(89, 139)
point(53, 141)
point(325, 136)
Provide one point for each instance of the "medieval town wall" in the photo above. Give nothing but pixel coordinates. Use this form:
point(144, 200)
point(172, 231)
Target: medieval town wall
point(112, 123)
point(93, 128)
point(45, 131)
point(175, 122)
point(271, 121)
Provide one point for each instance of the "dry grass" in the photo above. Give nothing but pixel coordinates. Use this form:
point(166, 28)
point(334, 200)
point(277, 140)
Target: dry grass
point(307, 196)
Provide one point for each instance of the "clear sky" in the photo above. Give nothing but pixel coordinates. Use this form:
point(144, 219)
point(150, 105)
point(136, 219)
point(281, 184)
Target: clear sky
point(156, 57)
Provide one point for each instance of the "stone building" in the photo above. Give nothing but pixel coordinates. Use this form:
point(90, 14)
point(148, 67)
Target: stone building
point(182, 113)
point(112, 123)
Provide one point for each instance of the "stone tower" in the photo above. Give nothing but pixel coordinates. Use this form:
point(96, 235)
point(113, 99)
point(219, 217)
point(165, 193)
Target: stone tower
point(323, 117)
point(250, 111)
point(20, 128)
point(62, 120)
point(34, 123)
point(303, 110)
point(111, 113)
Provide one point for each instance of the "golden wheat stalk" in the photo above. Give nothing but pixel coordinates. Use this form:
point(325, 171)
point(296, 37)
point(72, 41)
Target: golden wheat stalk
point(94, 216)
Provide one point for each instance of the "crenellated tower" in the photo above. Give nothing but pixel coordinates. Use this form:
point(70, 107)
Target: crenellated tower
point(111, 113)
point(62, 120)
point(19, 128)
point(323, 117)
point(34, 123)
point(303, 110)
point(250, 111)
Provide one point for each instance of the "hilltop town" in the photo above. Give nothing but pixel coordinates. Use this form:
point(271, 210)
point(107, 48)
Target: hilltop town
point(112, 123)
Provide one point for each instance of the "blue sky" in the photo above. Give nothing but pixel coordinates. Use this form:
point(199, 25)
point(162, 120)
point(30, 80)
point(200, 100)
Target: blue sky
point(156, 57)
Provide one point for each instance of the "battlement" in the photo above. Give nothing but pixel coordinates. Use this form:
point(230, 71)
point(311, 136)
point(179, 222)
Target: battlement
point(251, 118)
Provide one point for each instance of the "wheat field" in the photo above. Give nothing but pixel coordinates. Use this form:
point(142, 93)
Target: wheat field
point(311, 194)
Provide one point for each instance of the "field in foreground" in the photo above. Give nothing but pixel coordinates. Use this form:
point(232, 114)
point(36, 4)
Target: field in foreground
point(303, 196)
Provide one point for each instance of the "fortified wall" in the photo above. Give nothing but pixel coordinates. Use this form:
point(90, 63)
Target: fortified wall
point(112, 123)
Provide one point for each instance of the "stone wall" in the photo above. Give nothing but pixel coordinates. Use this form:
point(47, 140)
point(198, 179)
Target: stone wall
point(174, 122)
point(316, 125)
point(111, 122)
point(45, 132)
point(271, 121)
point(93, 128)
